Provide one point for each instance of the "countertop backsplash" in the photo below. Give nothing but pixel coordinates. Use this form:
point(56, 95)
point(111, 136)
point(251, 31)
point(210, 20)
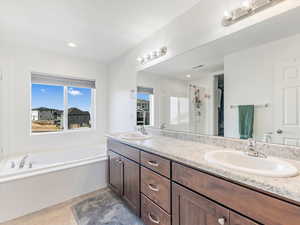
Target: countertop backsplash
point(276, 150)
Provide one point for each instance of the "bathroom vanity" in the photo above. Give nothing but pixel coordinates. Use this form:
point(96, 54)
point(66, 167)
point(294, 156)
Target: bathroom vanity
point(175, 187)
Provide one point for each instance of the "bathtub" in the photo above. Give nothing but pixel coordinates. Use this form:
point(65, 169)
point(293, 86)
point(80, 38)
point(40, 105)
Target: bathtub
point(49, 178)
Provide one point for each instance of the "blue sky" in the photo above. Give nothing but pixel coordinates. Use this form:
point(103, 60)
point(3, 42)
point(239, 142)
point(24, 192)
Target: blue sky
point(143, 96)
point(53, 97)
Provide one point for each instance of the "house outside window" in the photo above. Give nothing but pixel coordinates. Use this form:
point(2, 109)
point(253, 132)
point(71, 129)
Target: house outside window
point(61, 104)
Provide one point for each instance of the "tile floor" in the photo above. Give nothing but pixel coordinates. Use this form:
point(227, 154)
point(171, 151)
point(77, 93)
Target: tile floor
point(57, 215)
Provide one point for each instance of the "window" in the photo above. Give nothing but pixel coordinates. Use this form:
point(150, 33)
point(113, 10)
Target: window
point(179, 110)
point(47, 113)
point(79, 107)
point(145, 106)
point(60, 104)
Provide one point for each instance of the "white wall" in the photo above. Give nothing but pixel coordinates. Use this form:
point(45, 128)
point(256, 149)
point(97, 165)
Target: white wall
point(17, 63)
point(249, 80)
point(198, 26)
point(164, 87)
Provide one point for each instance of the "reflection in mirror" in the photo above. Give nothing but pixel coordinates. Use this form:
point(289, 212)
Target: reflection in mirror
point(245, 85)
point(145, 106)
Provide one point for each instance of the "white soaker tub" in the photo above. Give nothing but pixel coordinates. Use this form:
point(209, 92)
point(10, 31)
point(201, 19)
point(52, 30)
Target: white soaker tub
point(49, 178)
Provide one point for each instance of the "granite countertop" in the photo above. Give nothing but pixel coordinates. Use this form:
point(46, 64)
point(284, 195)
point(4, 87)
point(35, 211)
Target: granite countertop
point(192, 154)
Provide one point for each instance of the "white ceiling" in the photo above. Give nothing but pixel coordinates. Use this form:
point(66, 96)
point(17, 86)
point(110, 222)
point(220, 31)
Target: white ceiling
point(102, 29)
point(212, 54)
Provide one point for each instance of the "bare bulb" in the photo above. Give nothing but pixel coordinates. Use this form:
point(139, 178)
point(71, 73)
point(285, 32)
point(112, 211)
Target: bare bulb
point(247, 4)
point(227, 15)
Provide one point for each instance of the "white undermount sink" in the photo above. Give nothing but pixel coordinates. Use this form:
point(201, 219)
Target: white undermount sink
point(269, 167)
point(135, 136)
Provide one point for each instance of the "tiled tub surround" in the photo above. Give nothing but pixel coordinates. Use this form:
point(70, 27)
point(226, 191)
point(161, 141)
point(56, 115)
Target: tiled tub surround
point(192, 153)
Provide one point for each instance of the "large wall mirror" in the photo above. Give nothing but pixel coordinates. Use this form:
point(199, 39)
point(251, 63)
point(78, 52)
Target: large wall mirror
point(246, 85)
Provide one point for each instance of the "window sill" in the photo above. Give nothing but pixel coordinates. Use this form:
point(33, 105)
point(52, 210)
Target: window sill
point(79, 130)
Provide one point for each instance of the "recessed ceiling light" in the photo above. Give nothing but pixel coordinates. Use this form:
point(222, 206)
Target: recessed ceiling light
point(72, 45)
point(188, 76)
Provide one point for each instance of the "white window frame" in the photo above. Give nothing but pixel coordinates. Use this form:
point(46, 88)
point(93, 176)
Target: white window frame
point(65, 92)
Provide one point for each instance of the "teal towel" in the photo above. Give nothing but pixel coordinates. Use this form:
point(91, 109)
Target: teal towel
point(246, 119)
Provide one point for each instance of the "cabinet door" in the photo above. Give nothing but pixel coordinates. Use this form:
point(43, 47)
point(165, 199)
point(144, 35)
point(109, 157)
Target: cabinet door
point(115, 178)
point(190, 208)
point(236, 219)
point(132, 184)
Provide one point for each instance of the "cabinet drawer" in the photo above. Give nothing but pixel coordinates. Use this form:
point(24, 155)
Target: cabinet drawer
point(156, 188)
point(152, 214)
point(236, 219)
point(123, 149)
point(156, 163)
point(261, 207)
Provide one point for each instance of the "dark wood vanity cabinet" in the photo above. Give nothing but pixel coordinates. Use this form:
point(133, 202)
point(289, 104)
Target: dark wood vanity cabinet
point(174, 193)
point(124, 179)
point(190, 208)
point(116, 168)
point(131, 188)
point(236, 219)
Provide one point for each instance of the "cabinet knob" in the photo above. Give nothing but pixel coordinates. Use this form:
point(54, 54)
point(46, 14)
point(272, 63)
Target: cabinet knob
point(156, 221)
point(221, 221)
point(279, 131)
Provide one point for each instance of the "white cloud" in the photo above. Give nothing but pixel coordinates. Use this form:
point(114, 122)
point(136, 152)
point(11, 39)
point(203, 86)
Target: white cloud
point(74, 92)
point(43, 90)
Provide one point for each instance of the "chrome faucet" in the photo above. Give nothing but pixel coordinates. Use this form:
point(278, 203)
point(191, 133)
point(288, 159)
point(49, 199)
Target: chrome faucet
point(251, 149)
point(22, 162)
point(142, 129)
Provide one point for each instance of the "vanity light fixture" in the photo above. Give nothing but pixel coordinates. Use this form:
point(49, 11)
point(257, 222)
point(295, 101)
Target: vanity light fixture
point(247, 8)
point(153, 55)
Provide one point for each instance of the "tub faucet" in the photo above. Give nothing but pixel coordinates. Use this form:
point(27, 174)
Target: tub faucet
point(22, 162)
point(251, 149)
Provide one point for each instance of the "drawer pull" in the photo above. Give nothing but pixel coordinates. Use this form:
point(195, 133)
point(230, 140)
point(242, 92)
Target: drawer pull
point(221, 221)
point(152, 163)
point(156, 221)
point(153, 187)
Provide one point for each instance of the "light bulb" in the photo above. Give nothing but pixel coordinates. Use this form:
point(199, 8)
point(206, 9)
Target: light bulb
point(140, 59)
point(72, 45)
point(246, 4)
point(227, 15)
